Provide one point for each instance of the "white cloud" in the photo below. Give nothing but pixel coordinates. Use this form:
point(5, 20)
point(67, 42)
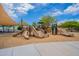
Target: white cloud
point(12, 13)
point(21, 8)
point(56, 12)
point(72, 9)
point(24, 8)
point(9, 9)
point(9, 5)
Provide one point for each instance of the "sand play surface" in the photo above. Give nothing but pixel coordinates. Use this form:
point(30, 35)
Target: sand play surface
point(9, 41)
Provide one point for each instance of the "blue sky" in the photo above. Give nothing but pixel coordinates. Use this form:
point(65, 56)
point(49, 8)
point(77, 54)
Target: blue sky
point(34, 11)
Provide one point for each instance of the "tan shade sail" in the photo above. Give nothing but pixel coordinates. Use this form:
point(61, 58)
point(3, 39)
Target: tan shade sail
point(5, 19)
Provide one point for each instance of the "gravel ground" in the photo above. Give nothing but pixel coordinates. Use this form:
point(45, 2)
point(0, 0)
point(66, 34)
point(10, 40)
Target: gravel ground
point(6, 40)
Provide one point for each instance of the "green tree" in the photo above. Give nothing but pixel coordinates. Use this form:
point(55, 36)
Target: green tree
point(47, 20)
point(70, 25)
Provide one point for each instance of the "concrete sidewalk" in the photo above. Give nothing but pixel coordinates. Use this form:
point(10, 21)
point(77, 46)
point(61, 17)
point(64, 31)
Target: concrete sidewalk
point(44, 49)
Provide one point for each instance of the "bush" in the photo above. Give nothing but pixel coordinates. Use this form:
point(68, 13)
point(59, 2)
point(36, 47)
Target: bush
point(19, 28)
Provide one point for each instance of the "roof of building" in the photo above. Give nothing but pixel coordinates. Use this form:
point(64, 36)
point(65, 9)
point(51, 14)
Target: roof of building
point(5, 18)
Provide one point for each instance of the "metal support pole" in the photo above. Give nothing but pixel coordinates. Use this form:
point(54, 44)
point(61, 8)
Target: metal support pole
point(8, 28)
point(3, 28)
point(13, 28)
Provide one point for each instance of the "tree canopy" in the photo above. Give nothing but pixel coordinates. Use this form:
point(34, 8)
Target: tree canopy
point(70, 24)
point(47, 20)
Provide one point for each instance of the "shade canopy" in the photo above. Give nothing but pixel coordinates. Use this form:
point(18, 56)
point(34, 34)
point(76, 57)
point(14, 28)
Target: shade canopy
point(5, 19)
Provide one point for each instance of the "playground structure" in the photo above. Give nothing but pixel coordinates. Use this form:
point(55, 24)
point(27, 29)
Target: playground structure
point(41, 31)
point(31, 31)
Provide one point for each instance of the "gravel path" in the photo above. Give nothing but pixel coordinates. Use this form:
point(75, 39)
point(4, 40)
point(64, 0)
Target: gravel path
point(9, 41)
